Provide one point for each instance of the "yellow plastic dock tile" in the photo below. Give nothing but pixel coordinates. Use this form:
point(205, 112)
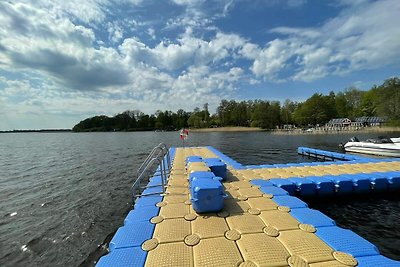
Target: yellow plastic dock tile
point(207, 226)
point(235, 206)
point(279, 219)
point(306, 245)
point(173, 199)
point(178, 183)
point(172, 230)
point(177, 190)
point(177, 210)
point(197, 167)
point(204, 152)
point(262, 203)
point(195, 164)
point(170, 254)
point(329, 264)
point(218, 252)
point(245, 223)
point(232, 193)
point(263, 250)
point(238, 184)
point(178, 177)
point(250, 192)
point(248, 174)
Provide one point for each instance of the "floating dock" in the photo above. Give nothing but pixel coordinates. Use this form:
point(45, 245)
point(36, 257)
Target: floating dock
point(263, 221)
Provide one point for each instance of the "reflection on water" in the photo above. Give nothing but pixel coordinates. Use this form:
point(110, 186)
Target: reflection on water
point(63, 194)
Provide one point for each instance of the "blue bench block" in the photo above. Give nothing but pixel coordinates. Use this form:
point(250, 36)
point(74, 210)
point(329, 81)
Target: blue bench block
point(285, 184)
point(148, 201)
point(343, 185)
point(141, 213)
point(378, 260)
point(347, 241)
point(216, 166)
point(206, 195)
point(304, 186)
point(200, 175)
point(208, 160)
point(261, 182)
point(324, 186)
point(132, 235)
point(273, 190)
point(193, 159)
point(313, 217)
point(291, 202)
point(123, 257)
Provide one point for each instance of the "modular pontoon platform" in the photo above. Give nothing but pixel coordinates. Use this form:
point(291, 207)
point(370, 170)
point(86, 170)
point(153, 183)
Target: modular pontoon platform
point(262, 222)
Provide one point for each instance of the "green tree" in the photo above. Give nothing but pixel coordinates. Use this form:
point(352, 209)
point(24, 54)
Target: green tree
point(194, 120)
point(287, 111)
point(389, 100)
point(342, 106)
point(315, 110)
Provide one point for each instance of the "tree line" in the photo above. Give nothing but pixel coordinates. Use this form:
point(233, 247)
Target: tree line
point(383, 101)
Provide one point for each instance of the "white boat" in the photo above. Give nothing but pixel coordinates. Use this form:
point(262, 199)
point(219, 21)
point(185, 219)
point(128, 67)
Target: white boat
point(389, 147)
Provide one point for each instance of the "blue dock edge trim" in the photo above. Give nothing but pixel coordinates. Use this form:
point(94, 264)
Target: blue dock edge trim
point(328, 154)
point(125, 247)
point(337, 159)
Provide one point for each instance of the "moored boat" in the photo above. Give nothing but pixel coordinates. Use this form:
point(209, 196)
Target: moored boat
point(389, 147)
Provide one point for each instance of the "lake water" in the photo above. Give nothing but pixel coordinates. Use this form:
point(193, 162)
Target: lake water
point(62, 195)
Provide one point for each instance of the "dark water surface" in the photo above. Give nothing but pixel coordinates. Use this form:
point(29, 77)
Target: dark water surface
point(63, 194)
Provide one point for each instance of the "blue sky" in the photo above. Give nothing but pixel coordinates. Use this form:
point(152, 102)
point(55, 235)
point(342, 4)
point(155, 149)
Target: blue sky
point(64, 61)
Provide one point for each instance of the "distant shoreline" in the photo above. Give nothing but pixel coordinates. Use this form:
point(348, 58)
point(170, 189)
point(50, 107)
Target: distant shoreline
point(244, 129)
point(229, 129)
point(38, 131)
point(336, 131)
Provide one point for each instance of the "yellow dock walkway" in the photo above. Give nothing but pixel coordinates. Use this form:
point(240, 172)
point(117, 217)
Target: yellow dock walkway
point(251, 230)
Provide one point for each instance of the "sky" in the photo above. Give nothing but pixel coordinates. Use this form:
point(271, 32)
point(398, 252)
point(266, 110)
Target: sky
point(64, 61)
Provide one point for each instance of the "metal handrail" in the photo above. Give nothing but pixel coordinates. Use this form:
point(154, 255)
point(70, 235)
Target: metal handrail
point(136, 188)
point(144, 171)
point(165, 151)
point(147, 160)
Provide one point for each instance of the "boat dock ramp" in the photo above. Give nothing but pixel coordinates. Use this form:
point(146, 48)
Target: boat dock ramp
point(202, 208)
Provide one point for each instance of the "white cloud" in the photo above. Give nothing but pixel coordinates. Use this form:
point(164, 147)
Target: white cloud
point(187, 51)
point(115, 32)
point(88, 11)
point(200, 13)
point(188, 2)
point(152, 33)
point(366, 38)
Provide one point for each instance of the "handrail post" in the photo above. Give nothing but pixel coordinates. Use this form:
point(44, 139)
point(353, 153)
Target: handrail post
point(162, 157)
